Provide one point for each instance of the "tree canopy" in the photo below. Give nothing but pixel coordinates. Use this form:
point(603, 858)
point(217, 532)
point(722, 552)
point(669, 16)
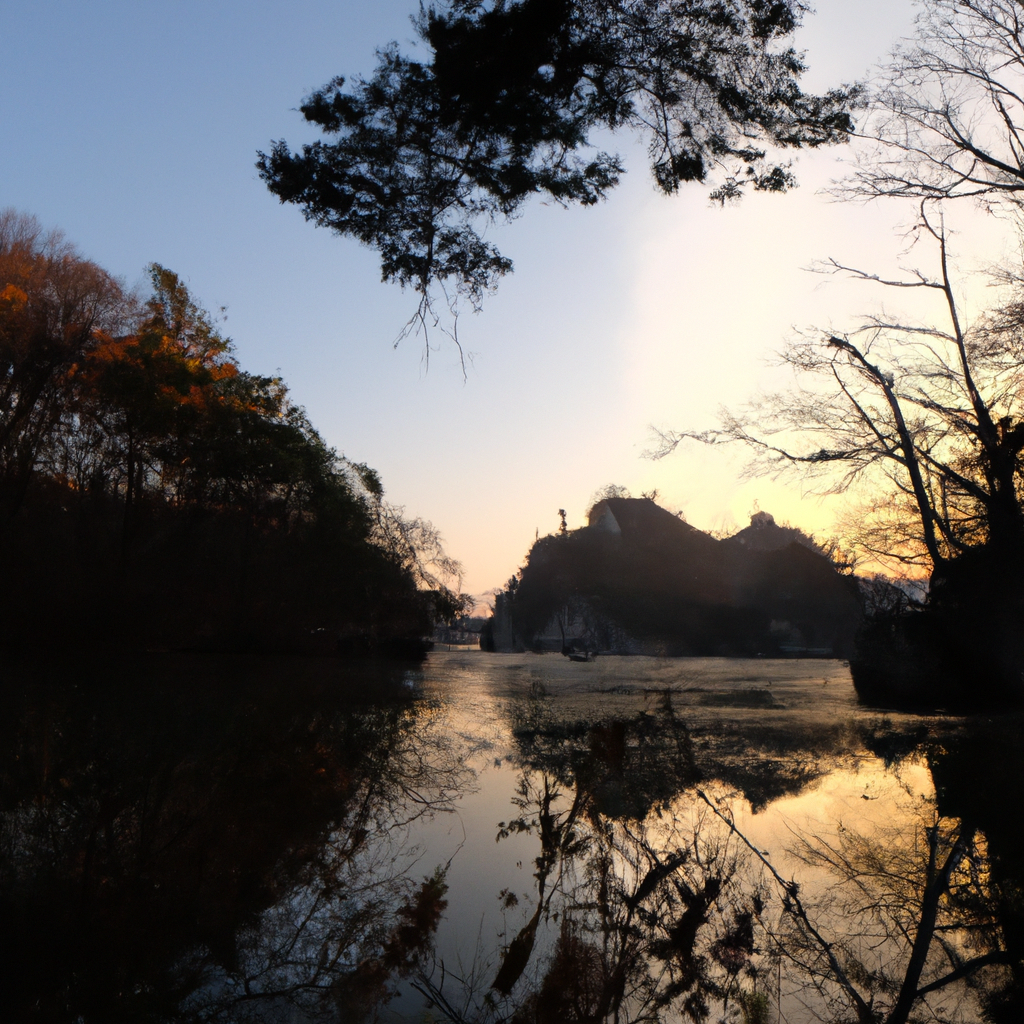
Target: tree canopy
point(52, 303)
point(176, 494)
point(418, 158)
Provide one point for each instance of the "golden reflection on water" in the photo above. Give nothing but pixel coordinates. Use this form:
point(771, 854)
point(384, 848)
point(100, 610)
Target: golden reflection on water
point(777, 746)
point(508, 833)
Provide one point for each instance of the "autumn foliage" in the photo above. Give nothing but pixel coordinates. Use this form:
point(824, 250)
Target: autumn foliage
point(154, 492)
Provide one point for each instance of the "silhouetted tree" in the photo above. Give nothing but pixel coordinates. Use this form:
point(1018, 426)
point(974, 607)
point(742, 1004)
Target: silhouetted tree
point(945, 116)
point(414, 544)
point(52, 303)
point(150, 390)
point(609, 491)
point(928, 413)
point(932, 410)
point(174, 494)
point(424, 152)
point(927, 418)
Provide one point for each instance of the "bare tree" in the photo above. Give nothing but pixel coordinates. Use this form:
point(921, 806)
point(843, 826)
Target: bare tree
point(925, 419)
point(929, 415)
point(414, 544)
point(947, 113)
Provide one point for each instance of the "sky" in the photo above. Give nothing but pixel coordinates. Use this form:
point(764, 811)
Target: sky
point(134, 128)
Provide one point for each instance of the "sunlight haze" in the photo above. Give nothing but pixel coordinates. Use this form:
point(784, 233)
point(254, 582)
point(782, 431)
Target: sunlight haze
point(134, 129)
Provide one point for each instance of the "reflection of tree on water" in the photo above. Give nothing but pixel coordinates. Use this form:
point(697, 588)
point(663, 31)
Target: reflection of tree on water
point(909, 913)
point(979, 779)
point(651, 905)
point(635, 763)
point(230, 849)
point(218, 849)
point(644, 917)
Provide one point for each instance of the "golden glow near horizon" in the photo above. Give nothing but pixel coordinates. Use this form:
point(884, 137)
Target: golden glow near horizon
point(642, 311)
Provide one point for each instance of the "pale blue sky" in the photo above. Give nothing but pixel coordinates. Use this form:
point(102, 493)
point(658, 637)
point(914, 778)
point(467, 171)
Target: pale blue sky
point(133, 126)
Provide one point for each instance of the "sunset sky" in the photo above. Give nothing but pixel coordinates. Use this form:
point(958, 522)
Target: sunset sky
point(134, 127)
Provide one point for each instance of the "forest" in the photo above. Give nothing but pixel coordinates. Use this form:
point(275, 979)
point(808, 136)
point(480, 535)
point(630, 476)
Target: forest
point(154, 494)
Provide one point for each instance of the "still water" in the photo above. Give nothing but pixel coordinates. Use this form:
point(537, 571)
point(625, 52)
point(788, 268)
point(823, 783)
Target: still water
point(501, 838)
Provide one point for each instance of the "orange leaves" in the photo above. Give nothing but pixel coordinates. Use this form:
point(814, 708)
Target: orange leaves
point(14, 297)
point(107, 349)
point(158, 369)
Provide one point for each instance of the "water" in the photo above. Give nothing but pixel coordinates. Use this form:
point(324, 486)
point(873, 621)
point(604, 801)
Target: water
point(501, 838)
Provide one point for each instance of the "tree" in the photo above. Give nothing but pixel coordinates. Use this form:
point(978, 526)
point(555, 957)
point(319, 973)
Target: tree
point(608, 491)
point(929, 413)
point(149, 389)
point(423, 154)
point(171, 413)
point(179, 498)
point(946, 115)
point(932, 410)
point(928, 421)
point(414, 545)
point(52, 304)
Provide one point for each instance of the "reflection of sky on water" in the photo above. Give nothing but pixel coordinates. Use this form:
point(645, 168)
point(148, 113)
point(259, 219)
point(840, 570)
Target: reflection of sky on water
point(247, 851)
point(856, 796)
point(736, 711)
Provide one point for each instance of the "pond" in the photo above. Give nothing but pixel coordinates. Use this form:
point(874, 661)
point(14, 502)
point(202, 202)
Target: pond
point(501, 838)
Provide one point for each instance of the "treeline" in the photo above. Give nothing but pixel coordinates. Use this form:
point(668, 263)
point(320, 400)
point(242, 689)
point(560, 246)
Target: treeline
point(152, 492)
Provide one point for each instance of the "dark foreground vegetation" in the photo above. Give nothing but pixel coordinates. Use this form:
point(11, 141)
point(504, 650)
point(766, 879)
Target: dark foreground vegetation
point(154, 493)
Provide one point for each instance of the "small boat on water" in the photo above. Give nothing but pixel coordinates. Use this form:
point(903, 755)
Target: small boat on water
point(573, 655)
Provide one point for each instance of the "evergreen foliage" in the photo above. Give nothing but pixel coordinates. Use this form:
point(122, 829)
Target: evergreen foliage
point(418, 158)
